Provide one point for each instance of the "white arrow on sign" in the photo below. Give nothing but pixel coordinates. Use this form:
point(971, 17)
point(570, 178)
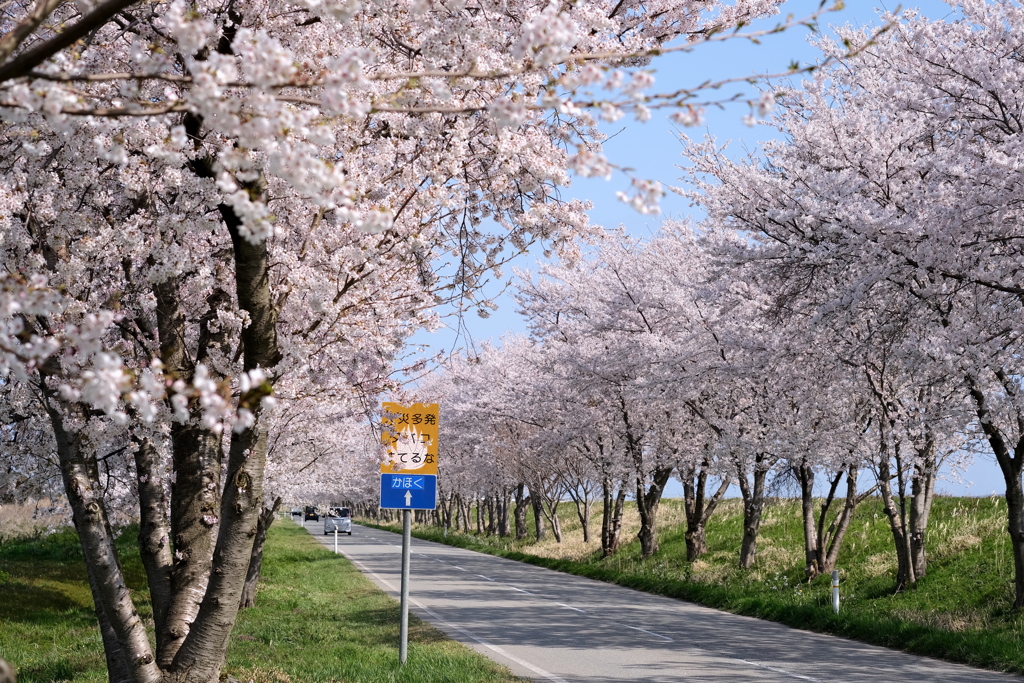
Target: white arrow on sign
point(408, 498)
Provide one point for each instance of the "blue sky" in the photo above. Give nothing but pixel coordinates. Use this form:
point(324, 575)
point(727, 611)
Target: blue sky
point(652, 149)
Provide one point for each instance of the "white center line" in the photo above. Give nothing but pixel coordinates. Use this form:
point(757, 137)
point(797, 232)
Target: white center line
point(485, 577)
point(650, 633)
point(520, 590)
point(459, 568)
point(562, 604)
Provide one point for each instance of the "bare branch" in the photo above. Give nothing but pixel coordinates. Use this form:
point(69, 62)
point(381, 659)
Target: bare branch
point(27, 61)
point(16, 36)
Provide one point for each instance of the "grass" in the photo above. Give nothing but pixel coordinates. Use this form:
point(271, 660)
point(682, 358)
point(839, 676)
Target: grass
point(960, 611)
point(317, 619)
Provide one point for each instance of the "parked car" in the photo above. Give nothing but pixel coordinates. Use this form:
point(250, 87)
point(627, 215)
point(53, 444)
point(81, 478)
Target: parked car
point(311, 514)
point(296, 512)
point(342, 523)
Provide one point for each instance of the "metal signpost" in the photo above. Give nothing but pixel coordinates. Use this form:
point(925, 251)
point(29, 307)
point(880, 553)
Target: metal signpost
point(408, 480)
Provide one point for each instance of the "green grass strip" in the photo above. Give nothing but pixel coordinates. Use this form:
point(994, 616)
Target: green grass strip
point(317, 620)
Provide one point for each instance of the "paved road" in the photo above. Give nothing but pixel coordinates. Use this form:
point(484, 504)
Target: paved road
point(555, 627)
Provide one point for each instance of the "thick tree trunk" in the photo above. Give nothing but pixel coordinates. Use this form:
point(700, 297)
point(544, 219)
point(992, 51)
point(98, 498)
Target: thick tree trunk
point(520, 512)
point(196, 457)
point(648, 499)
point(753, 509)
point(252, 576)
point(699, 508)
point(130, 650)
point(117, 666)
point(154, 536)
point(195, 494)
point(201, 656)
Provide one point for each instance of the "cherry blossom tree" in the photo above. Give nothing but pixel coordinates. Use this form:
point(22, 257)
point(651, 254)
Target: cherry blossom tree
point(889, 218)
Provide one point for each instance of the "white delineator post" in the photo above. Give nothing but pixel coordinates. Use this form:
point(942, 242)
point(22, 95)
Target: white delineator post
point(403, 631)
point(835, 591)
point(335, 539)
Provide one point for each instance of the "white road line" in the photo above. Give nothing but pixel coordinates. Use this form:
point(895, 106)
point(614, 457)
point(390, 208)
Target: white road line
point(650, 633)
point(507, 655)
point(520, 590)
point(459, 568)
point(780, 671)
point(562, 604)
point(485, 577)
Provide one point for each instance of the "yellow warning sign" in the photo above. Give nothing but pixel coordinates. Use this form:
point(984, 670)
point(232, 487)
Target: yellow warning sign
point(409, 434)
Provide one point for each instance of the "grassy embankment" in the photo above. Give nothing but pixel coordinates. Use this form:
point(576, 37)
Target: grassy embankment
point(317, 619)
point(960, 611)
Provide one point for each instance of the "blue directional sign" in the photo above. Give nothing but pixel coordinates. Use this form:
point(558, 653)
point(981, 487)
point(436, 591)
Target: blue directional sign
point(408, 491)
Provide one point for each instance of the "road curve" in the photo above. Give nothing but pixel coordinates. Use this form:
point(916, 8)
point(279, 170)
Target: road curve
point(559, 628)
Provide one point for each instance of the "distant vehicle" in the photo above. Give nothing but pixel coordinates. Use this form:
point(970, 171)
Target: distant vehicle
point(341, 521)
point(296, 512)
point(311, 513)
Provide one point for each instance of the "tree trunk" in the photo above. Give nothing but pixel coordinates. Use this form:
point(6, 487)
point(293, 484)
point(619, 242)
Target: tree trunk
point(196, 461)
point(699, 508)
point(489, 529)
point(520, 512)
point(117, 666)
point(583, 502)
point(922, 495)
point(154, 536)
point(904, 567)
point(129, 651)
point(830, 541)
point(1011, 465)
point(753, 508)
point(503, 501)
point(647, 503)
point(538, 514)
point(821, 545)
point(556, 524)
point(195, 491)
point(611, 516)
point(252, 576)
point(805, 475)
point(201, 656)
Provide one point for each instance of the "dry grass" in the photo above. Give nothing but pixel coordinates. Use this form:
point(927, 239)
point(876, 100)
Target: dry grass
point(27, 519)
point(879, 564)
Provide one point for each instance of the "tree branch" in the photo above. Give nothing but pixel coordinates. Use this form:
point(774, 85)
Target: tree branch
point(30, 59)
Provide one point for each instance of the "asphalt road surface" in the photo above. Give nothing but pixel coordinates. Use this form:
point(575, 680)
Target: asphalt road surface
point(550, 626)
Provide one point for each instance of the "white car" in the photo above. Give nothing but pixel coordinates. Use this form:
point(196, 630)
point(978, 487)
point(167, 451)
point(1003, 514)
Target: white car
point(342, 522)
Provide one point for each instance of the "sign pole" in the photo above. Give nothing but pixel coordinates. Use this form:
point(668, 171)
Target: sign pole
point(408, 481)
point(403, 635)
